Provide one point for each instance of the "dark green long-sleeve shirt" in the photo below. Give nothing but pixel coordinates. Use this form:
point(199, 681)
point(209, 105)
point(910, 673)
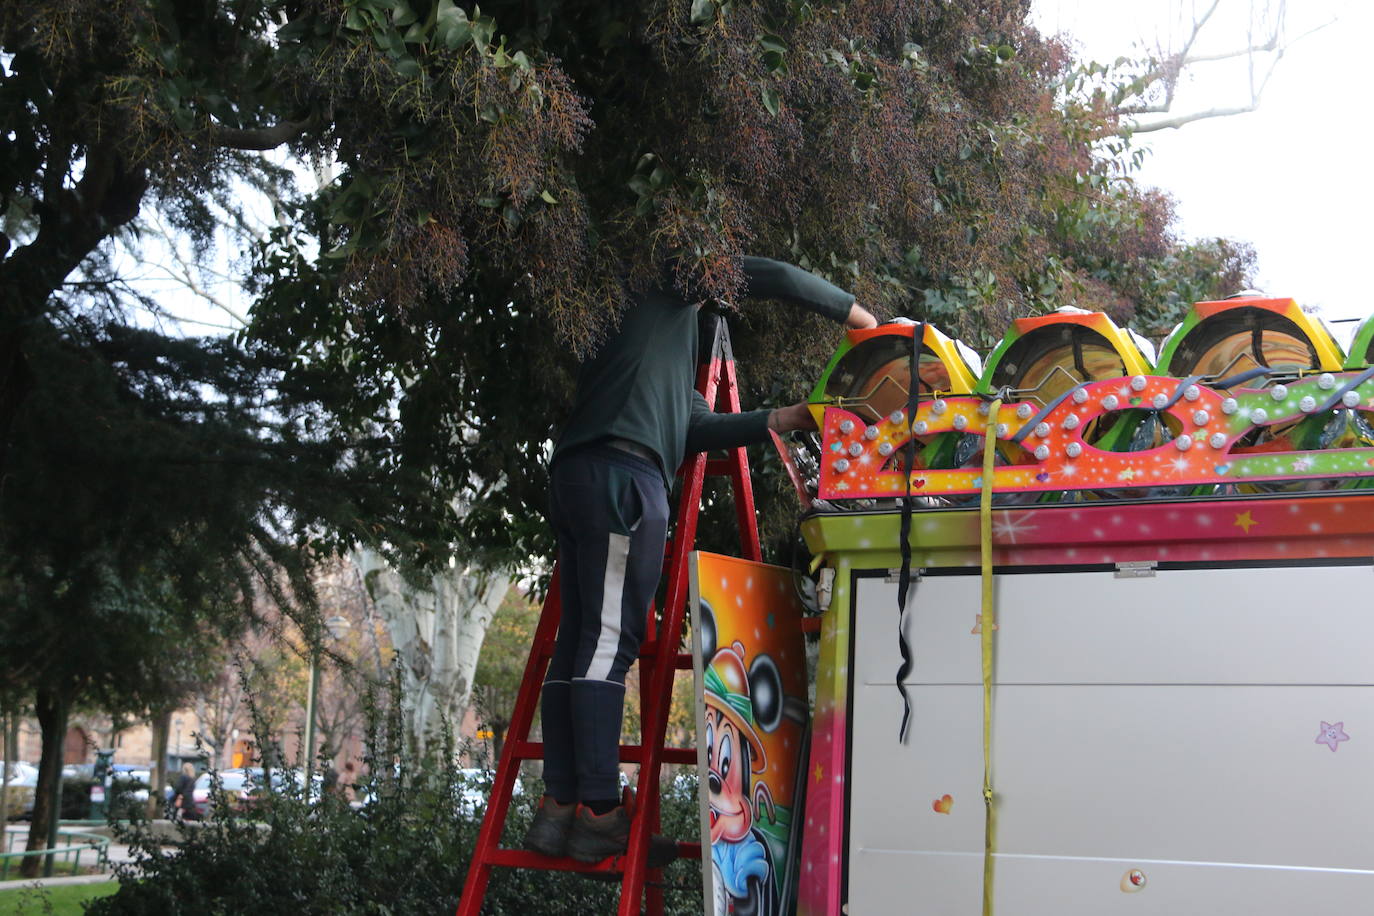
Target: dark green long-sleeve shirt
point(641, 385)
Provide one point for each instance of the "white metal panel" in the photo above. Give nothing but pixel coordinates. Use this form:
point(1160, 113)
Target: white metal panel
point(1292, 625)
point(901, 883)
point(1119, 743)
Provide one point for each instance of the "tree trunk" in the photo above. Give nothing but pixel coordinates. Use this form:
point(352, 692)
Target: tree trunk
point(437, 632)
point(157, 776)
point(10, 754)
point(498, 738)
point(51, 709)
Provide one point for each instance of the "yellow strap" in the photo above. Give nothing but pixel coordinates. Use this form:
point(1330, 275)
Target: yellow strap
point(989, 624)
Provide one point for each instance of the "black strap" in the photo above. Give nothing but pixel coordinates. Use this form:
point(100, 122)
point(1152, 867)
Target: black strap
point(918, 334)
point(1350, 385)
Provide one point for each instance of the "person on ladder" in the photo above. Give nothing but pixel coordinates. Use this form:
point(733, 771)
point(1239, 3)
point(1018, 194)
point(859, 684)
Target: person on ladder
point(635, 415)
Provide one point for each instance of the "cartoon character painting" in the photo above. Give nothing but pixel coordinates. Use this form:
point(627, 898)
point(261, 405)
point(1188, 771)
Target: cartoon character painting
point(742, 863)
point(753, 732)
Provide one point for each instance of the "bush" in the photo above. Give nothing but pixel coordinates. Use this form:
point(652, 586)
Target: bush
point(76, 798)
point(404, 851)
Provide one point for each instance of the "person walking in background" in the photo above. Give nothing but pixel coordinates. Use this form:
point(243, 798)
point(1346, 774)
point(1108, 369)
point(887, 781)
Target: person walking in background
point(635, 415)
point(184, 800)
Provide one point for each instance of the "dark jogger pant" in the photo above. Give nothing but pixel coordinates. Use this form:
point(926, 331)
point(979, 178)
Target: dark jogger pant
point(610, 513)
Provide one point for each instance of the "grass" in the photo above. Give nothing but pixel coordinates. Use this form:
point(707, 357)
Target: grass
point(66, 900)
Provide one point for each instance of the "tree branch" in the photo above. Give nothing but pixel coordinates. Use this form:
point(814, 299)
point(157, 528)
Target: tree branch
point(1180, 120)
point(260, 138)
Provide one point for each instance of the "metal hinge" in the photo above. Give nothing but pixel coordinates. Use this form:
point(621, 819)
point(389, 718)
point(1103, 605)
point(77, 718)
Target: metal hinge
point(894, 576)
point(825, 586)
point(1137, 569)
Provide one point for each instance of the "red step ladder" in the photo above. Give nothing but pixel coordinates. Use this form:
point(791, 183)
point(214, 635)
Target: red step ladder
point(659, 659)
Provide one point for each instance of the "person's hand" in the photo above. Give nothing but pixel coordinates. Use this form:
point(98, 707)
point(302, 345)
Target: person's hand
point(795, 417)
point(860, 318)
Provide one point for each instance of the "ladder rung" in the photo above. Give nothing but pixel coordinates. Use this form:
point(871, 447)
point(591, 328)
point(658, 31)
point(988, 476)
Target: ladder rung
point(648, 652)
point(520, 858)
point(719, 467)
point(629, 753)
point(634, 753)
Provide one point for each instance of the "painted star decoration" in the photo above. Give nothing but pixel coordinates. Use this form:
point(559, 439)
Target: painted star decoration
point(820, 772)
point(1332, 735)
point(1244, 521)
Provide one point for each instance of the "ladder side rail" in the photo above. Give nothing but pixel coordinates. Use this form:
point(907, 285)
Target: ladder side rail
point(745, 515)
point(508, 768)
point(652, 681)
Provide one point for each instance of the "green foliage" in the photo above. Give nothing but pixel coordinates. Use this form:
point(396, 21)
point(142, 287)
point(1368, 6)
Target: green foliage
point(511, 172)
point(404, 850)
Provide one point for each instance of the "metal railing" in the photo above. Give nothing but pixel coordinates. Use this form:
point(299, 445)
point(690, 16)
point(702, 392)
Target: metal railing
point(77, 843)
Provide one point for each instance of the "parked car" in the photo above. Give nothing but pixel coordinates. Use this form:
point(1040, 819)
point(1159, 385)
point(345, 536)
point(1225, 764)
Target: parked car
point(245, 788)
point(131, 782)
point(475, 789)
point(84, 771)
point(23, 785)
point(234, 787)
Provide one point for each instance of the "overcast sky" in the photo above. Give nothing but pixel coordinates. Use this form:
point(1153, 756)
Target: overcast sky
point(1293, 178)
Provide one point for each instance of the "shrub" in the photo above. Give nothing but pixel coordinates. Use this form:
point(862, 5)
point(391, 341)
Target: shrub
point(404, 850)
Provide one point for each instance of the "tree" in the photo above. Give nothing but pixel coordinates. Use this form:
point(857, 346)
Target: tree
point(415, 323)
point(437, 628)
point(501, 667)
point(1140, 92)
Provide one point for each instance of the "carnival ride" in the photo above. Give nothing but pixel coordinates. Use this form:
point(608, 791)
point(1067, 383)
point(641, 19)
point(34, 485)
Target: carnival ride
point(1093, 634)
point(1133, 670)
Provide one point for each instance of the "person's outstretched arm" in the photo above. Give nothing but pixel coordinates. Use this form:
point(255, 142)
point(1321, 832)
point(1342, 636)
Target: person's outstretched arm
point(769, 279)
